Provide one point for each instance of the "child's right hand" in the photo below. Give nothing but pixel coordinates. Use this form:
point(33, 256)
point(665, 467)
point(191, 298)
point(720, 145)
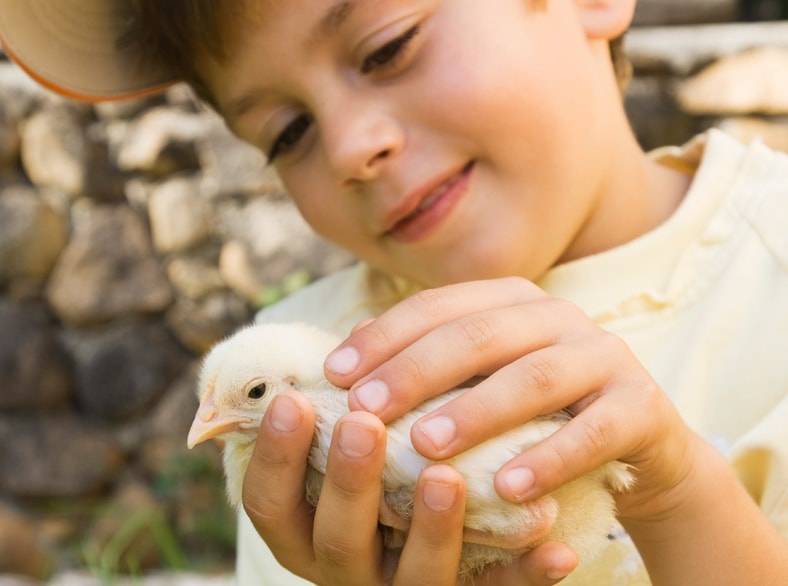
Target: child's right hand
point(339, 543)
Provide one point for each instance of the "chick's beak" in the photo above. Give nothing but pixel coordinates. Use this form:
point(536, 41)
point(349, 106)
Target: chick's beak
point(209, 422)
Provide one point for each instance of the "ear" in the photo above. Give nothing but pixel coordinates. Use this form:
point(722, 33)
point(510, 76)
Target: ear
point(605, 19)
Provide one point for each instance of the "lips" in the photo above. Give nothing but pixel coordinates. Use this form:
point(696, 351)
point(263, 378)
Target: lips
point(424, 210)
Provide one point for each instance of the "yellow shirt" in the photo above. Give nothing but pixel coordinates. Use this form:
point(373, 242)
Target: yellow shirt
point(702, 300)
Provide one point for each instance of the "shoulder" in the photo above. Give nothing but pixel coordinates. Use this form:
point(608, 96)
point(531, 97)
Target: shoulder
point(761, 198)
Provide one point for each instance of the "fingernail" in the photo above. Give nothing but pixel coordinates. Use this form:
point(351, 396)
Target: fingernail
point(356, 440)
point(373, 396)
point(285, 415)
point(439, 496)
point(519, 480)
point(556, 574)
point(440, 430)
point(343, 361)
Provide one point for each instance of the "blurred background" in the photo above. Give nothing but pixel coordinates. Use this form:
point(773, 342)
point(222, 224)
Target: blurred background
point(135, 235)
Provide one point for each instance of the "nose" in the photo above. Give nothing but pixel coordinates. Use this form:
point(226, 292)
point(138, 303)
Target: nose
point(361, 139)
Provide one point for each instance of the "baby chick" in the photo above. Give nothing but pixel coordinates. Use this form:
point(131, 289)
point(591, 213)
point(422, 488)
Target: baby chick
point(241, 375)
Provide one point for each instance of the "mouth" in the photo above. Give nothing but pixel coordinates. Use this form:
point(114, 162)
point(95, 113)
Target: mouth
point(425, 210)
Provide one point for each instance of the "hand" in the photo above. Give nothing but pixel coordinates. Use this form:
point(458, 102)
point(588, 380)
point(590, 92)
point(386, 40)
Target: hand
point(540, 354)
point(339, 543)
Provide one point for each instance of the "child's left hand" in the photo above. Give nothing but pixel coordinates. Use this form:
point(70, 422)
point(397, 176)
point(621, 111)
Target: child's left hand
point(540, 354)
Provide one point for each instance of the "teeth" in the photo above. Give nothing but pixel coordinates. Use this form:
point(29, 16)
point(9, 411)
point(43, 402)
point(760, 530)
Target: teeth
point(431, 199)
point(428, 201)
point(435, 196)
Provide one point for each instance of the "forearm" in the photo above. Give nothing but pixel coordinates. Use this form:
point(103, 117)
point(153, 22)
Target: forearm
point(715, 535)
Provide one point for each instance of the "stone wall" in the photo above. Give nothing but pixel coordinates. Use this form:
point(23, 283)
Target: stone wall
point(134, 235)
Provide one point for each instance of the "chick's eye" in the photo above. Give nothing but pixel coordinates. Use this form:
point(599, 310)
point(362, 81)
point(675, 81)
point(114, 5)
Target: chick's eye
point(257, 392)
point(288, 139)
point(387, 54)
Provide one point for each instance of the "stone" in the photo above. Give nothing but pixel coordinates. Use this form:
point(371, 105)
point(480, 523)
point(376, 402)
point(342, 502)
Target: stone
point(165, 430)
point(58, 152)
point(32, 236)
point(277, 239)
point(123, 368)
point(28, 341)
point(672, 12)
point(161, 142)
point(21, 554)
point(180, 218)
point(683, 50)
point(237, 270)
point(199, 324)
point(108, 270)
point(126, 109)
point(195, 275)
point(18, 90)
point(10, 139)
point(233, 167)
point(18, 96)
point(173, 415)
point(752, 82)
point(55, 456)
point(773, 133)
point(653, 115)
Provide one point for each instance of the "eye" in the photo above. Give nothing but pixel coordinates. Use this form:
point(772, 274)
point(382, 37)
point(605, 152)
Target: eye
point(288, 139)
point(257, 392)
point(387, 54)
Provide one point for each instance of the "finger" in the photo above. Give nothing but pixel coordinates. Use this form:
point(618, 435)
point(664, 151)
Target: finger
point(432, 551)
point(369, 346)
point(346, 540)
point(473, 344)
point(547, 564)
point(273, 493)
point(607, 429)
point(543, 381)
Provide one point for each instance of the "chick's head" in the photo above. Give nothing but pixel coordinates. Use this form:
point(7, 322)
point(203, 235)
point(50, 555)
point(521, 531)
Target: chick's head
point(241, 375)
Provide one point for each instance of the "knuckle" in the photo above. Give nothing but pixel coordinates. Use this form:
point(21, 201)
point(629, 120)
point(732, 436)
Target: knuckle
point(263, 512)
point(414, 370)
point(378, 332)
point(567, 310)
point(477, 331)
point(540, 375)
point(521, 286)
point(333, 550)
point(595, 437)
point(428, 302)
point(558, 465)
point(611, 344)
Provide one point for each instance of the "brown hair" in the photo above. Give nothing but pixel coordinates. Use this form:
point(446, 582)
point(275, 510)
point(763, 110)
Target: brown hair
point(177, 32)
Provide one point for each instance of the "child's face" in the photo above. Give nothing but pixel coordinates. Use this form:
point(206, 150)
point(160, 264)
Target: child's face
point(441, 140)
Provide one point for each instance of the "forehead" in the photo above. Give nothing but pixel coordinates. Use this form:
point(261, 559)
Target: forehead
point(260, 33)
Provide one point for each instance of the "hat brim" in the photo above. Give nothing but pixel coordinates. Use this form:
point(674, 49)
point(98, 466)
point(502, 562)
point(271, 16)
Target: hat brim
point(71, 47)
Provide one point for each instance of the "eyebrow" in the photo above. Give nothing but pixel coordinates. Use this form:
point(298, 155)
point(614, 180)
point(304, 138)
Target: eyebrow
point(333, 19)
point(326, 27)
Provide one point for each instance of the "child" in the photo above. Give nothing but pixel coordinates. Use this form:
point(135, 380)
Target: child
point(477, 154)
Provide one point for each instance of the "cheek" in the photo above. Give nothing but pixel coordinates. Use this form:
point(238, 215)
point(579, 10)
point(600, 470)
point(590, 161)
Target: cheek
point(326, 211)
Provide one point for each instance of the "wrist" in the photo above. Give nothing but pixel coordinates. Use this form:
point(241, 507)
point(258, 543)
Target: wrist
point(707, 530)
